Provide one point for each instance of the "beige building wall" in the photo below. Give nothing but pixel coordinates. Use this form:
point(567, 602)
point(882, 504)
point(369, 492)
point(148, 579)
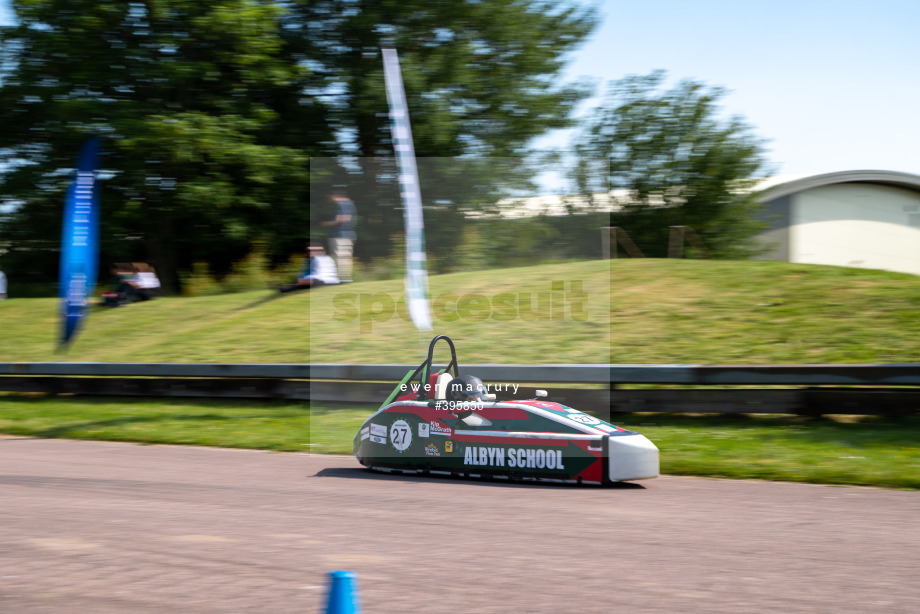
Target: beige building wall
point(857, 225)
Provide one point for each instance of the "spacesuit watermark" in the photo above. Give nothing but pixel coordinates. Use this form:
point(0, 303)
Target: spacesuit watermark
point(563, 300)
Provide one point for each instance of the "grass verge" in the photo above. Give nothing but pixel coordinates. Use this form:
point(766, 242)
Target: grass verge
point(639, 311)
point(831, 450)
point(276, 425)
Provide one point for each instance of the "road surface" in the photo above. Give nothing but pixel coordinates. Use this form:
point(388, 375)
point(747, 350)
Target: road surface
point(113, 527)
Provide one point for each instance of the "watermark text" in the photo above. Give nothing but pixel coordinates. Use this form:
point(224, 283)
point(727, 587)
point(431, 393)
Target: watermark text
point(565, 299)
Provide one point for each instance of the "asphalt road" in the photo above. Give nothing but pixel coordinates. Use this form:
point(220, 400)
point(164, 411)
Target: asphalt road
point(112, 527)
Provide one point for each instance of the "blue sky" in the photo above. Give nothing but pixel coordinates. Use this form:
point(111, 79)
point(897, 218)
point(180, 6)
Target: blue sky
point(833, 84)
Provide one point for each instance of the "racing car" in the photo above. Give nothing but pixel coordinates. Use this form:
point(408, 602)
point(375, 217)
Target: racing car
point(445, 423)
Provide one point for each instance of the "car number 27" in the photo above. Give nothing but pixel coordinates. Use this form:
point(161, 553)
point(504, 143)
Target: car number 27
point(400, 435)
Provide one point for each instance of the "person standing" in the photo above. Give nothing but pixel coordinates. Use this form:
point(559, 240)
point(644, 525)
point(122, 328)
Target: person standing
point(342, 242)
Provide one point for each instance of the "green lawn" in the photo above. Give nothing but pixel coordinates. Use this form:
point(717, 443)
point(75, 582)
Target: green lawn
point(639, 311)
point(829, 450)
point(282, 426)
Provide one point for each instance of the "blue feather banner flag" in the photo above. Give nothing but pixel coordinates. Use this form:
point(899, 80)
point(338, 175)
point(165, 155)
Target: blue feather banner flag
point(79, 242)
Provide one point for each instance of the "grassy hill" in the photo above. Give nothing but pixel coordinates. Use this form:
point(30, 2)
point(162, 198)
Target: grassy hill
point(641, 311)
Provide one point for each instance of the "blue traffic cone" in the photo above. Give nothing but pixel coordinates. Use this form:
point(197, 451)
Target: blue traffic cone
point(343, 593)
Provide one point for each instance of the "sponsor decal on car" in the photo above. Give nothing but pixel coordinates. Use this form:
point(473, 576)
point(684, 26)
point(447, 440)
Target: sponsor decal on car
point(525, 458)
point(439, 429)
point(423, 429)
point(376, 439)
point(448, 446)
point(432, 450)
point(378, 429)
point(364, 433)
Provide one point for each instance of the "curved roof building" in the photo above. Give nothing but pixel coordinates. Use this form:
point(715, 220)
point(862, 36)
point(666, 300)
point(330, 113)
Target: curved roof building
point(866, 219)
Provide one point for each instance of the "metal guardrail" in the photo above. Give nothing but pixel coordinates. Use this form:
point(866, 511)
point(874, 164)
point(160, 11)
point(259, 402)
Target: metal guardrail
point(372, 383)
point(156, 369)
point(907, 374)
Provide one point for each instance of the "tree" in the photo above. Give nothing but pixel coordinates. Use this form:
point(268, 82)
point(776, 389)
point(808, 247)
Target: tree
point(482, 79)
point(679, 162)
point(211, 112)
point(189, 97)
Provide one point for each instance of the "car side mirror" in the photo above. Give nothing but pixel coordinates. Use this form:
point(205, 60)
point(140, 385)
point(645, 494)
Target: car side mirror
point(541, 394)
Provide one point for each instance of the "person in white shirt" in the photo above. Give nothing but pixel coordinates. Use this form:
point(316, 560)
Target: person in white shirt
point(320, 270)
point(146, 283)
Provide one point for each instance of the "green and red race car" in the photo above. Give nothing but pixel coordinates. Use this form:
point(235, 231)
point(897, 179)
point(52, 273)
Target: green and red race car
point(445, 423)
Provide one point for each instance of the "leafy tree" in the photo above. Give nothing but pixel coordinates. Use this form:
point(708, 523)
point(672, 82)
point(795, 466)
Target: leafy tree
point(480, 75)
point(211, 112)
point(679, 161)
point(190, 97)
point(481, 80)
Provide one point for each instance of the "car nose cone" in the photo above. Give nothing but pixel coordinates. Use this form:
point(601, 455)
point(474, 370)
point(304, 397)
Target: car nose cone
point(632, 457)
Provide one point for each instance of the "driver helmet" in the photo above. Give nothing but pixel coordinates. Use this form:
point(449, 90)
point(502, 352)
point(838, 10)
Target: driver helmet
point(466, 388)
